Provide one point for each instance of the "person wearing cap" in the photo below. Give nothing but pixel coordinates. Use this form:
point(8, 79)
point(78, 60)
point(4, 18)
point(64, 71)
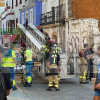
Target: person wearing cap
point(53, 66)
point(6, 75)
point(82, 68)
point(88, 55)
point(9, 61)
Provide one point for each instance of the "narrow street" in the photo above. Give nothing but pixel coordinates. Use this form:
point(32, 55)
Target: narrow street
point(70, 90)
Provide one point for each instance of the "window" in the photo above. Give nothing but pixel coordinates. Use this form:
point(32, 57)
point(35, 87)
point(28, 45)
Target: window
point(16, 3)
point(20, 2)
point(12, 4)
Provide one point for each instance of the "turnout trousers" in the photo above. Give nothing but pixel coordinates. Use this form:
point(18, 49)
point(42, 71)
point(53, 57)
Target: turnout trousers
point(83, 73)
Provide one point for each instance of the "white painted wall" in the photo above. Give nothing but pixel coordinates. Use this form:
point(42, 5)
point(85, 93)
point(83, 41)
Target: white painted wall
point(48, 4)
point(15, 10)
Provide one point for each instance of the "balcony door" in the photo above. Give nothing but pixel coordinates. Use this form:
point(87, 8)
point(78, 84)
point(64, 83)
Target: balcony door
point(31, 16)
point(23, 18)
point(27, 15)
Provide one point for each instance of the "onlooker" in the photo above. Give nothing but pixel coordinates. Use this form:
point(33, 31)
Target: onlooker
point(97, 83)
point(5, 82)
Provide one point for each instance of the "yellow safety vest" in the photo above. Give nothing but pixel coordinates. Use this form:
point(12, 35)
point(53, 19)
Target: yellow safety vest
point(28, 55)
point(9, 60)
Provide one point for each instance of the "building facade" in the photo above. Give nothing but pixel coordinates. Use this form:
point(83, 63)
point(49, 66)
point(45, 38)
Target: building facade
point(32, 13)
point(55, 14)
point(11, 15)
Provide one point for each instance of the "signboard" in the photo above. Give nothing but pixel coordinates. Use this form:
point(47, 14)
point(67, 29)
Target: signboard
point(2, 3)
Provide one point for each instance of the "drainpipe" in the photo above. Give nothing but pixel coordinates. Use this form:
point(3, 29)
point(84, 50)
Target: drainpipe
point(59, 28)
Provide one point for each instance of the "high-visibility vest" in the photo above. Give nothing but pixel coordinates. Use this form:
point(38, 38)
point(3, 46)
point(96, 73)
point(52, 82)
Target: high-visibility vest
point(8, 59)
point(28, 55)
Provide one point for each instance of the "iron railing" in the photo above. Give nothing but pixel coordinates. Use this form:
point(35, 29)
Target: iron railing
point(55, 16)
point(48, 18)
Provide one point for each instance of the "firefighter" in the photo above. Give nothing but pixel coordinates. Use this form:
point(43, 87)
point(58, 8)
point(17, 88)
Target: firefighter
point(88, 55)
point(9, 61)
point(28, 54)
point(46, 47)
point(83, 68)
point(53, 65)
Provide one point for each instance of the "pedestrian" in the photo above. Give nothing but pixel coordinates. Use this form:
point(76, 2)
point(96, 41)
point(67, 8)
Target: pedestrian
point(82, 67)
point(97, 82)
point(28, 55)
point(5, 82)
point(88, 55)
point(53, 67)
point(9, 61)
point(26, 24)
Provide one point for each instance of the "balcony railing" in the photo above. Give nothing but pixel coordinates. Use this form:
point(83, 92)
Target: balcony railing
point(57, 15)
point(48, 18)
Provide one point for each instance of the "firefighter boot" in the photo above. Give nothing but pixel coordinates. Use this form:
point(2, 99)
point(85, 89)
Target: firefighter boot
point(49, 89)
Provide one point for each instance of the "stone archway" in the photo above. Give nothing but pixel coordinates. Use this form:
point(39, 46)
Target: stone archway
point(55, 38)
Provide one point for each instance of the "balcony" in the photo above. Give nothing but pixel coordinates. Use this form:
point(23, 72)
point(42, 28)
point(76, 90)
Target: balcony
point(57, 15)
point(48, 18)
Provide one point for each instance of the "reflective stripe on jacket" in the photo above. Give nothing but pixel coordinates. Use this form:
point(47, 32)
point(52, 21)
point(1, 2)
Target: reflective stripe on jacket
point(8, 59)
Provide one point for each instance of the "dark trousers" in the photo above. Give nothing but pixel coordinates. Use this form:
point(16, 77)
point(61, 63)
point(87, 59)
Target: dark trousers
point(90, 69)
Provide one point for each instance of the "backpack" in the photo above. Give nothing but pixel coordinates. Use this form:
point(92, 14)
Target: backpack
point(2, 85)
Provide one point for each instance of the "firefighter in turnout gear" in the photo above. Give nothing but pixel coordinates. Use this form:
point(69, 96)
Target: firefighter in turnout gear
point(46, 47)
point(53, 65)
point(28, 54)
point(9, 61)
point(82, 67)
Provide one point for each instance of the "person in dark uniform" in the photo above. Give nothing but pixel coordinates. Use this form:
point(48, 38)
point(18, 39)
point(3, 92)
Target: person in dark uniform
point(88, 55)
point(53, 65)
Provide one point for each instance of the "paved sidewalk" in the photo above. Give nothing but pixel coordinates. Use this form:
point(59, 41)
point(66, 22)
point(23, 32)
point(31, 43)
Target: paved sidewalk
point(70, 90)
point(17, 95)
